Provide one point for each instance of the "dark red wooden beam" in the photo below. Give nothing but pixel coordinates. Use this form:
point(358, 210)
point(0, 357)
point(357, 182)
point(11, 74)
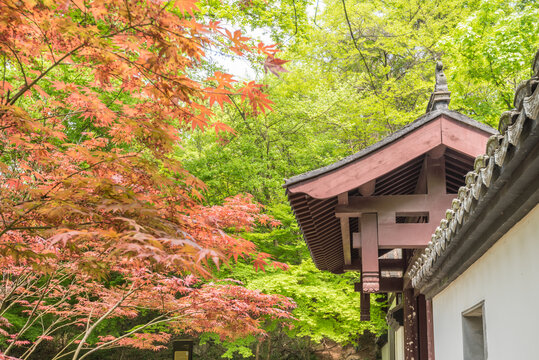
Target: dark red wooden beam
point(407, 235)
point(384, 264)
point(392, 204)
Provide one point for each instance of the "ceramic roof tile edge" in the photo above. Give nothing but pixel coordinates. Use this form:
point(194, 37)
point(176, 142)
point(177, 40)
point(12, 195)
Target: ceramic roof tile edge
point(488, 168)
point(388, 140)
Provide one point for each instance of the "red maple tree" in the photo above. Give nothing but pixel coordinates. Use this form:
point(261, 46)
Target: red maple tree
point(95, 95)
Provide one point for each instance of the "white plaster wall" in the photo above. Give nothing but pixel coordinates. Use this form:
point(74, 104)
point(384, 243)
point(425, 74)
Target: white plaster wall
point(385, 351)
point(506, 277)
point(399, 343)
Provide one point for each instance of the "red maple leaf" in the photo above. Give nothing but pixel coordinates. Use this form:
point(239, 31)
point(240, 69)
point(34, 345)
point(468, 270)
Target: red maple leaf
point(274, 65)
point(188, 6)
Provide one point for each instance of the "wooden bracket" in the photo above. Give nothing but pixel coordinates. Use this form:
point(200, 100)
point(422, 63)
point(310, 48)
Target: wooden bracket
point(345, 231)
point(386, 285)
point(367, 189)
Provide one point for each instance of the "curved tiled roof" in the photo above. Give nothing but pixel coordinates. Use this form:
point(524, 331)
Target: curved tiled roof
point(503, 184)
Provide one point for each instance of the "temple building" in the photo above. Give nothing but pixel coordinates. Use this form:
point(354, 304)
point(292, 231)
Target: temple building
point(441, 216)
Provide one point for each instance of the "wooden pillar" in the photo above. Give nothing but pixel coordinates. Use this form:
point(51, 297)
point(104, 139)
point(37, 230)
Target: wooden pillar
point(365, 314)
point(370, 270)
point(422, 326)
point(410, 325)
point(436, 185)
point(430, 330)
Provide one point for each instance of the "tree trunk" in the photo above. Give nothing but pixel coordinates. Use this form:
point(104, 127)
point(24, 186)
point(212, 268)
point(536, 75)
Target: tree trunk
point(269, 348)
point(257, 350)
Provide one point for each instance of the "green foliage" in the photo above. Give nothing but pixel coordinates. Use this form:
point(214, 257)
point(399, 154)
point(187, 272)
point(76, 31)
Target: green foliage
point(280, 19)
point(240, 347)
point(489, 53)
point(327, 307)
point(284, 242)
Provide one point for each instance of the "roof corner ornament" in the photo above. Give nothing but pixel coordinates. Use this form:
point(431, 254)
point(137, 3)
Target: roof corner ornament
point(441, 96)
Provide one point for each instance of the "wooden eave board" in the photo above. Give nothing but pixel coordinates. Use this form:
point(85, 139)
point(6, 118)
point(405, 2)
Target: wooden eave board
point(441, 130)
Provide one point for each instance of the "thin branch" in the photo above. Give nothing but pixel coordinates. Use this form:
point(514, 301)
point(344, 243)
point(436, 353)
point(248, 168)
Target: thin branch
point(89, 331)
point(242, 114)
point(28, 86)
point(357, 46)
point(20, 64)
point(295, 17)
point(316, 13)
point(69, 53)
point(29, 323)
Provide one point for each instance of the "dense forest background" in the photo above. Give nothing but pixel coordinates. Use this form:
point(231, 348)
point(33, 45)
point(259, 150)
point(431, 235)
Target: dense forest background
point(356, 71)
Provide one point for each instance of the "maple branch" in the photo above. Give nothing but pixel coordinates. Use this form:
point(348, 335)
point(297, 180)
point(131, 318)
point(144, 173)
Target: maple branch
point(157, 26)
point(28, 86)
point(4, 74)
point(77, 6)
point(46, 40)
point(46, 332)
point(142, 68)
point(103, 317)
point(157, 320)
point(3, 218)
point(20, 64)
point(154, 84)
point(126, 28)
point(45, 195)
point(16, 284)
point(60, 354)
point(29, 322)
point(128, 11)
point(32, 228)
point(57, 62)
point(163, 8)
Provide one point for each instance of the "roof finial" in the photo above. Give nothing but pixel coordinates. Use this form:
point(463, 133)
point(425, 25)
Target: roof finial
point(441, 95)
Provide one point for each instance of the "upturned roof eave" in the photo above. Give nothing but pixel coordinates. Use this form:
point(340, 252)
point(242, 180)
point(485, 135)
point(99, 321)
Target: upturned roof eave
point(386, 141)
